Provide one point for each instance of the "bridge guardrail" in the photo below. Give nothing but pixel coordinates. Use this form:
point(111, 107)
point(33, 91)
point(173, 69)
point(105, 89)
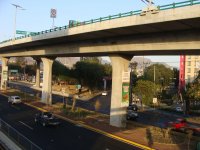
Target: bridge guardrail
point(110, 17)
point(17, 137)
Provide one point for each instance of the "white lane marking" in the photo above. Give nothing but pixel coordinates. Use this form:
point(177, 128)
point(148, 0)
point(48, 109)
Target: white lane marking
point(26, 125)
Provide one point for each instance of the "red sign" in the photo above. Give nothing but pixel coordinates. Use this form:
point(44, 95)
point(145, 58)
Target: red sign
point(53, 13)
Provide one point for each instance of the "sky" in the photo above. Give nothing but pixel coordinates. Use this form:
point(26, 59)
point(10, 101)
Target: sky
point(36, 16)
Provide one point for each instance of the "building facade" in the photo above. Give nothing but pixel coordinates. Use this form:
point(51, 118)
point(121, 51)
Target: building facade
point(192, 66)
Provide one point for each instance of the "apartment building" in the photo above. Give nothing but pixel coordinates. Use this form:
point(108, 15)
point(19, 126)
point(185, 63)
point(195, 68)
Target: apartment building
point(192, 67)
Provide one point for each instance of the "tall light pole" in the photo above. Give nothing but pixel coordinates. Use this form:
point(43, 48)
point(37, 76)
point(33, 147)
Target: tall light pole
point(15, 19)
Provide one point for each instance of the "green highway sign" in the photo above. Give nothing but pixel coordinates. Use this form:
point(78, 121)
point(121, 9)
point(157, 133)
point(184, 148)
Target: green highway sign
point(25, 32)
point(20, 32)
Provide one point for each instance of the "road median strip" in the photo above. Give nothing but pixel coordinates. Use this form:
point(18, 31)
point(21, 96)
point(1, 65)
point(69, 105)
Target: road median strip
point(82, 124)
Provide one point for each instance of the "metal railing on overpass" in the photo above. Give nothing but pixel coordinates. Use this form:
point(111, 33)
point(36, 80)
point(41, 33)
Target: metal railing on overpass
point(110, 17)
point(17, 137)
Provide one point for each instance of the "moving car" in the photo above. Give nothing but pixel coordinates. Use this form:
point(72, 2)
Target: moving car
point(46, 118)
point(182, 125)
point(104, 93)
point(132, 112)
point(179, 109)
point(14, 99)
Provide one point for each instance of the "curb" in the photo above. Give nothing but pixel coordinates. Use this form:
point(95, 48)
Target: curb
point(97, 130)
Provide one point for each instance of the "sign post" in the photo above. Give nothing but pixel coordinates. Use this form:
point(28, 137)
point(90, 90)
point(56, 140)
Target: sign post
point(125, 88)
point(53, 15)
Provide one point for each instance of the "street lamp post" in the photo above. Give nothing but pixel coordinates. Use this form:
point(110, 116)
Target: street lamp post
point(15, 20)
point(132, 66)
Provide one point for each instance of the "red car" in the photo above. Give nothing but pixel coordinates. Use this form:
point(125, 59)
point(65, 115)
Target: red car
point(182, 125)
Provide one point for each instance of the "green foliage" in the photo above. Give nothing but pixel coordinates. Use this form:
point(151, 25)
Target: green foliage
point(163, 75)
point(91, 59)
point(145, 89)
point(14, 67)
point(21, 66)
point(21, 61)
point(89, 73)
point(30, 69)
point(193, 89)
point(107, 69)
point(59, 69)
point(78, 113)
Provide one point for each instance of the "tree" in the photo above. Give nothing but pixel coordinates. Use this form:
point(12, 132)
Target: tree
point(21, 61)
point(91, 59)
point(193, 89)
point(107, 69)
point(145, 90)
point(163, 75)
point(89, 73)
point(60, 70)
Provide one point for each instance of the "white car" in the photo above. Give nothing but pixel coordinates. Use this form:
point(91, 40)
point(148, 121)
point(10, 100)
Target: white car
point(14, 99)
point(104, 93)
point(179, 109)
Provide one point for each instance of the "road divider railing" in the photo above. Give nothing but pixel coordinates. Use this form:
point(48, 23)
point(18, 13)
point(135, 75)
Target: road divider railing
point(17, 137)
point(110, 17)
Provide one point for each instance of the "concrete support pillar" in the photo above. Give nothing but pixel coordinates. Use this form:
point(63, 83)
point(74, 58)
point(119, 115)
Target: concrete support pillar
point(37, 77)
point(4, 73)
point(117, 110)
point(47, 80)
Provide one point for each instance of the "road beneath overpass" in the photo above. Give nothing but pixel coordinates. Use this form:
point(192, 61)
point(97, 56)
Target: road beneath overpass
point(65, 136)
point(148, 117)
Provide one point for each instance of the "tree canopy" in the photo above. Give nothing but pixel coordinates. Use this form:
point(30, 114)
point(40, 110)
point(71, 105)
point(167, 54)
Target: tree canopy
point(193, 89)
point(145, 90)
point(163, 75)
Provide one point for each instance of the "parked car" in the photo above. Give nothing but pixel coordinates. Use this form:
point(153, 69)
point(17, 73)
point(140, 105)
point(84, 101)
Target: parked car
point(182, 125)
point(132, 112)
point(46, 118)
point(14, 99)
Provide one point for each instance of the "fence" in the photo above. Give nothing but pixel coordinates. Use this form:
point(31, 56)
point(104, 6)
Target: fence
point(17, 137)
point(110, 17)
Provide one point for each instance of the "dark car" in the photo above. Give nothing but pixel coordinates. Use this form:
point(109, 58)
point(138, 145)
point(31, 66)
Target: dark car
point(132, 112)
point(46, 118)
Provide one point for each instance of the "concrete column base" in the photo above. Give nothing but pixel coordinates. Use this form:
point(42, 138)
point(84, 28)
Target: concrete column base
point(118, 111)
point(37, 77)
point(4, 69)
point(47, 80)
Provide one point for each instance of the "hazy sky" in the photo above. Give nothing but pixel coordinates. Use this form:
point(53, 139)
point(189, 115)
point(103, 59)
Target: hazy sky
point(36, 17)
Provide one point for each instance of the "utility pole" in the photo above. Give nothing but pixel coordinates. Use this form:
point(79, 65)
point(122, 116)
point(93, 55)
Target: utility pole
point(15, 19)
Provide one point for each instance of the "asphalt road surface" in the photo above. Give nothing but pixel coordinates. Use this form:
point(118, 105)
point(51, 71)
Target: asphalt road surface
point(146, 117)
point(66, 136)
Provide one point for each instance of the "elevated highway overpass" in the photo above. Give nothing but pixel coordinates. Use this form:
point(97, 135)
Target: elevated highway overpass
point(172, 31)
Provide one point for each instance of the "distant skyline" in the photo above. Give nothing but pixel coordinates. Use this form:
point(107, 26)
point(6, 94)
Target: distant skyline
point(36, 16)
point(170, 60)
